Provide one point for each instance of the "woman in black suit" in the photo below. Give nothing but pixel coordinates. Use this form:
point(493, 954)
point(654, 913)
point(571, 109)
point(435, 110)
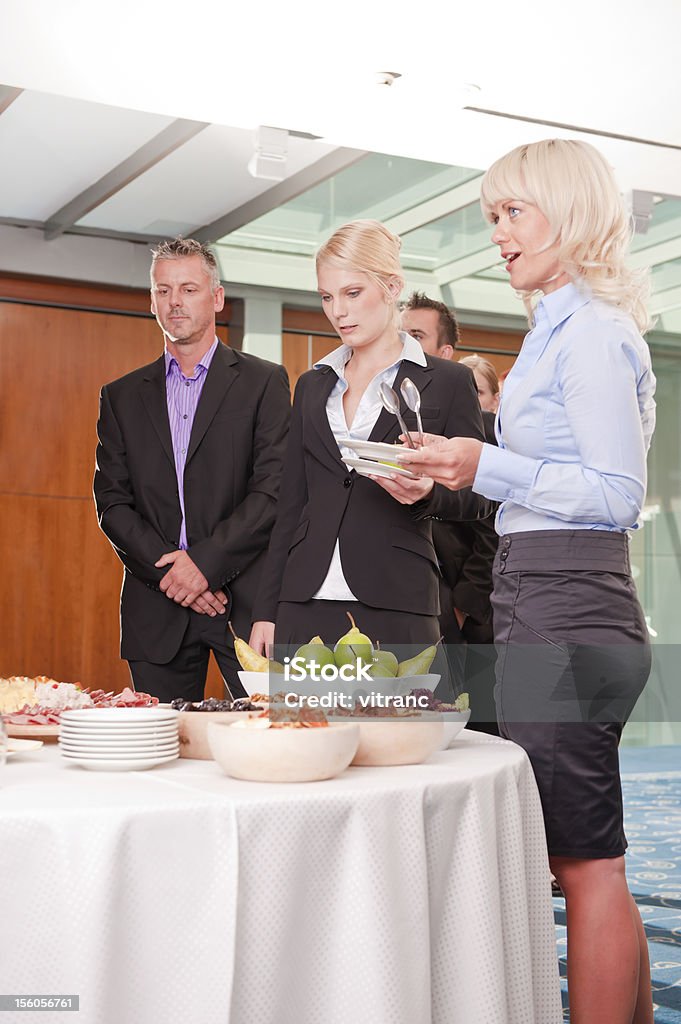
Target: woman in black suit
point(341, 543)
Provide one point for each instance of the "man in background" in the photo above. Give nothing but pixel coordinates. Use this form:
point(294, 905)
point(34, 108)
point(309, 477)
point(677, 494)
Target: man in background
point(189, 463)
point(465, 551)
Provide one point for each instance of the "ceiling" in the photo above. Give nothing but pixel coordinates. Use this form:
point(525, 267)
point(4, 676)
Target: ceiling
point(136, 122)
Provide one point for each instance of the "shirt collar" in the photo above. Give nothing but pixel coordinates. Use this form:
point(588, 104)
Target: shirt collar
point(203, 362)
point(337, 359)
point(559, 305)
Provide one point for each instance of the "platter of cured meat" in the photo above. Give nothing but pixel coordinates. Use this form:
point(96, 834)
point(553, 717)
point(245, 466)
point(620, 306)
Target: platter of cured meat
point(32, 708)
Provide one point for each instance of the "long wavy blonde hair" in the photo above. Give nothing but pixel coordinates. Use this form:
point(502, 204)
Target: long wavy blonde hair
point(575, 188)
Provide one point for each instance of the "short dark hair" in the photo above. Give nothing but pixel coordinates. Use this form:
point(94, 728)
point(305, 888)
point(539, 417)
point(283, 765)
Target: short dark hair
point(181, 247)
point(448, 332)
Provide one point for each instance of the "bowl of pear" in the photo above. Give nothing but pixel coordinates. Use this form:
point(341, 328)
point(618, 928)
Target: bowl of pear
point(404, 676)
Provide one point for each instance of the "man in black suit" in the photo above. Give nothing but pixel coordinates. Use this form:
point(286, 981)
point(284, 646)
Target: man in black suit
point(465, 550)
point(189, 463)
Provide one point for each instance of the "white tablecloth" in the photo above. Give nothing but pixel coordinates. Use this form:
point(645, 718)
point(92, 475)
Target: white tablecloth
point(414, 895)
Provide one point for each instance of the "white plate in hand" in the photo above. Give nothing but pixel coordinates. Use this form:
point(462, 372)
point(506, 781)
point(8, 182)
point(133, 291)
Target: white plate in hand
point(366, 468)
point(376, 449)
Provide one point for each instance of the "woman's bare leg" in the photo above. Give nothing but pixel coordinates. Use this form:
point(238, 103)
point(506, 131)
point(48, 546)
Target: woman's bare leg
point(608, 972)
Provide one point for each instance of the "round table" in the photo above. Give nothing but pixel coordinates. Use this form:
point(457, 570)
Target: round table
point(403, 895)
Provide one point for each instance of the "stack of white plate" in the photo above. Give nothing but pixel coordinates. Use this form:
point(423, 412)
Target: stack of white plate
point(119, 739)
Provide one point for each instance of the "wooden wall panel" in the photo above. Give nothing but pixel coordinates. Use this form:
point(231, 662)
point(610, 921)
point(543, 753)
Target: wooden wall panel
point(500, 348)
point(53, 363)
point(81, 295)
point(59, 606)
point(301, 351)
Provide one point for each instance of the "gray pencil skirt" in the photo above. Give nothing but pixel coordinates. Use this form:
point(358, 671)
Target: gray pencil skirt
point(573, 656)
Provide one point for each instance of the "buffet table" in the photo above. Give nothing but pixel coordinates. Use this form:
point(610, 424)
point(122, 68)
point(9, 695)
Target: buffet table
point(386, 895)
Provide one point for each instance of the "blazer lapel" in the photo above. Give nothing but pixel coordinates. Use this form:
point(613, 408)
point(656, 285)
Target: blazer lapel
point(386, 423)
point(153, 392)
point(221, 375)
point(317, 411)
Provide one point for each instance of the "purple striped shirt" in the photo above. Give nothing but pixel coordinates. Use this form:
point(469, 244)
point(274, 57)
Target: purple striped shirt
point(182, 396)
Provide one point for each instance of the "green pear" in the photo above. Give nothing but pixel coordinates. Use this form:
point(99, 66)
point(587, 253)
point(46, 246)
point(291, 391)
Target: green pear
point(384, 666)
point(353, 646)
point(316, 652)
point(380, 671)
point(419, 665)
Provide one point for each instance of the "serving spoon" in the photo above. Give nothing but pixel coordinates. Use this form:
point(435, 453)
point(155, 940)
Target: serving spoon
point(392, 403)
point(412, 396)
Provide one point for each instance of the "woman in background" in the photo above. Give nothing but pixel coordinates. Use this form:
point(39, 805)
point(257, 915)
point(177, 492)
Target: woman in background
point(575, 423)
point(341, 542)
point(486, 381)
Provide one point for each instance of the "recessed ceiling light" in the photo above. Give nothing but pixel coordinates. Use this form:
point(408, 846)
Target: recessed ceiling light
point(269, 158)
point(387, 77)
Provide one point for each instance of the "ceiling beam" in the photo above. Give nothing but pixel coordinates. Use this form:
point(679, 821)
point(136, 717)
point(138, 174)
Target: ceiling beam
point(279, 194)
point(664, 302)
point(574, 128)
point(21, 222)
point(654, 254)
point(240, 265)
point(467, 265)
point(147, 156)
point(433, 209)
point(106, 233)
point(7, 96)
point(477, 261)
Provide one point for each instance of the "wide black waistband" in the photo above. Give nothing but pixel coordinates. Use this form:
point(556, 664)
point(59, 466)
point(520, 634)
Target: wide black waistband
point(577, 550)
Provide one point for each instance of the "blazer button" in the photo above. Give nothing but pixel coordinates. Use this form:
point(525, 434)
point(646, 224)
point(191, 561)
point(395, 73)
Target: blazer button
point(347, 482)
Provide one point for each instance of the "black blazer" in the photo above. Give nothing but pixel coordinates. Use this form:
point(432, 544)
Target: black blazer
point(386, 548)
point(466, 552)
point(231, 485)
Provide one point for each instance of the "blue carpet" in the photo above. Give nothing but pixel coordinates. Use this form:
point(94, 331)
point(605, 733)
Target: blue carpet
point(651, 783)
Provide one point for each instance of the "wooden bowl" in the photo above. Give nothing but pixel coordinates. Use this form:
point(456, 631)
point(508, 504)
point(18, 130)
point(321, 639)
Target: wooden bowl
point(192, 727)
point(283, 755)
point(388, 742)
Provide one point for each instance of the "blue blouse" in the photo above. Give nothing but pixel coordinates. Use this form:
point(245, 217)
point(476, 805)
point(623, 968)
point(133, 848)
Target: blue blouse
point(575, 422)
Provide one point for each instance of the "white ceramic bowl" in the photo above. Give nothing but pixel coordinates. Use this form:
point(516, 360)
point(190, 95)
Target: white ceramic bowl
point(454, 722)
point(259, 682)
point(283, 755)
point(385, 741)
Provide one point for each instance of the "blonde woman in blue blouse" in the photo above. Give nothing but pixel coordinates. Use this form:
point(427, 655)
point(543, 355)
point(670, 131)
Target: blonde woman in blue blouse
point(574, 427)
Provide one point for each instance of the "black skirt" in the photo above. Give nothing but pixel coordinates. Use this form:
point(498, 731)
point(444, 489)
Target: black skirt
point(573, 656)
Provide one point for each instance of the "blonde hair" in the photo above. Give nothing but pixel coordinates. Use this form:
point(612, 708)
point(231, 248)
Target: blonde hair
point(485, 368)
point(575, 188)
point(366, 246)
